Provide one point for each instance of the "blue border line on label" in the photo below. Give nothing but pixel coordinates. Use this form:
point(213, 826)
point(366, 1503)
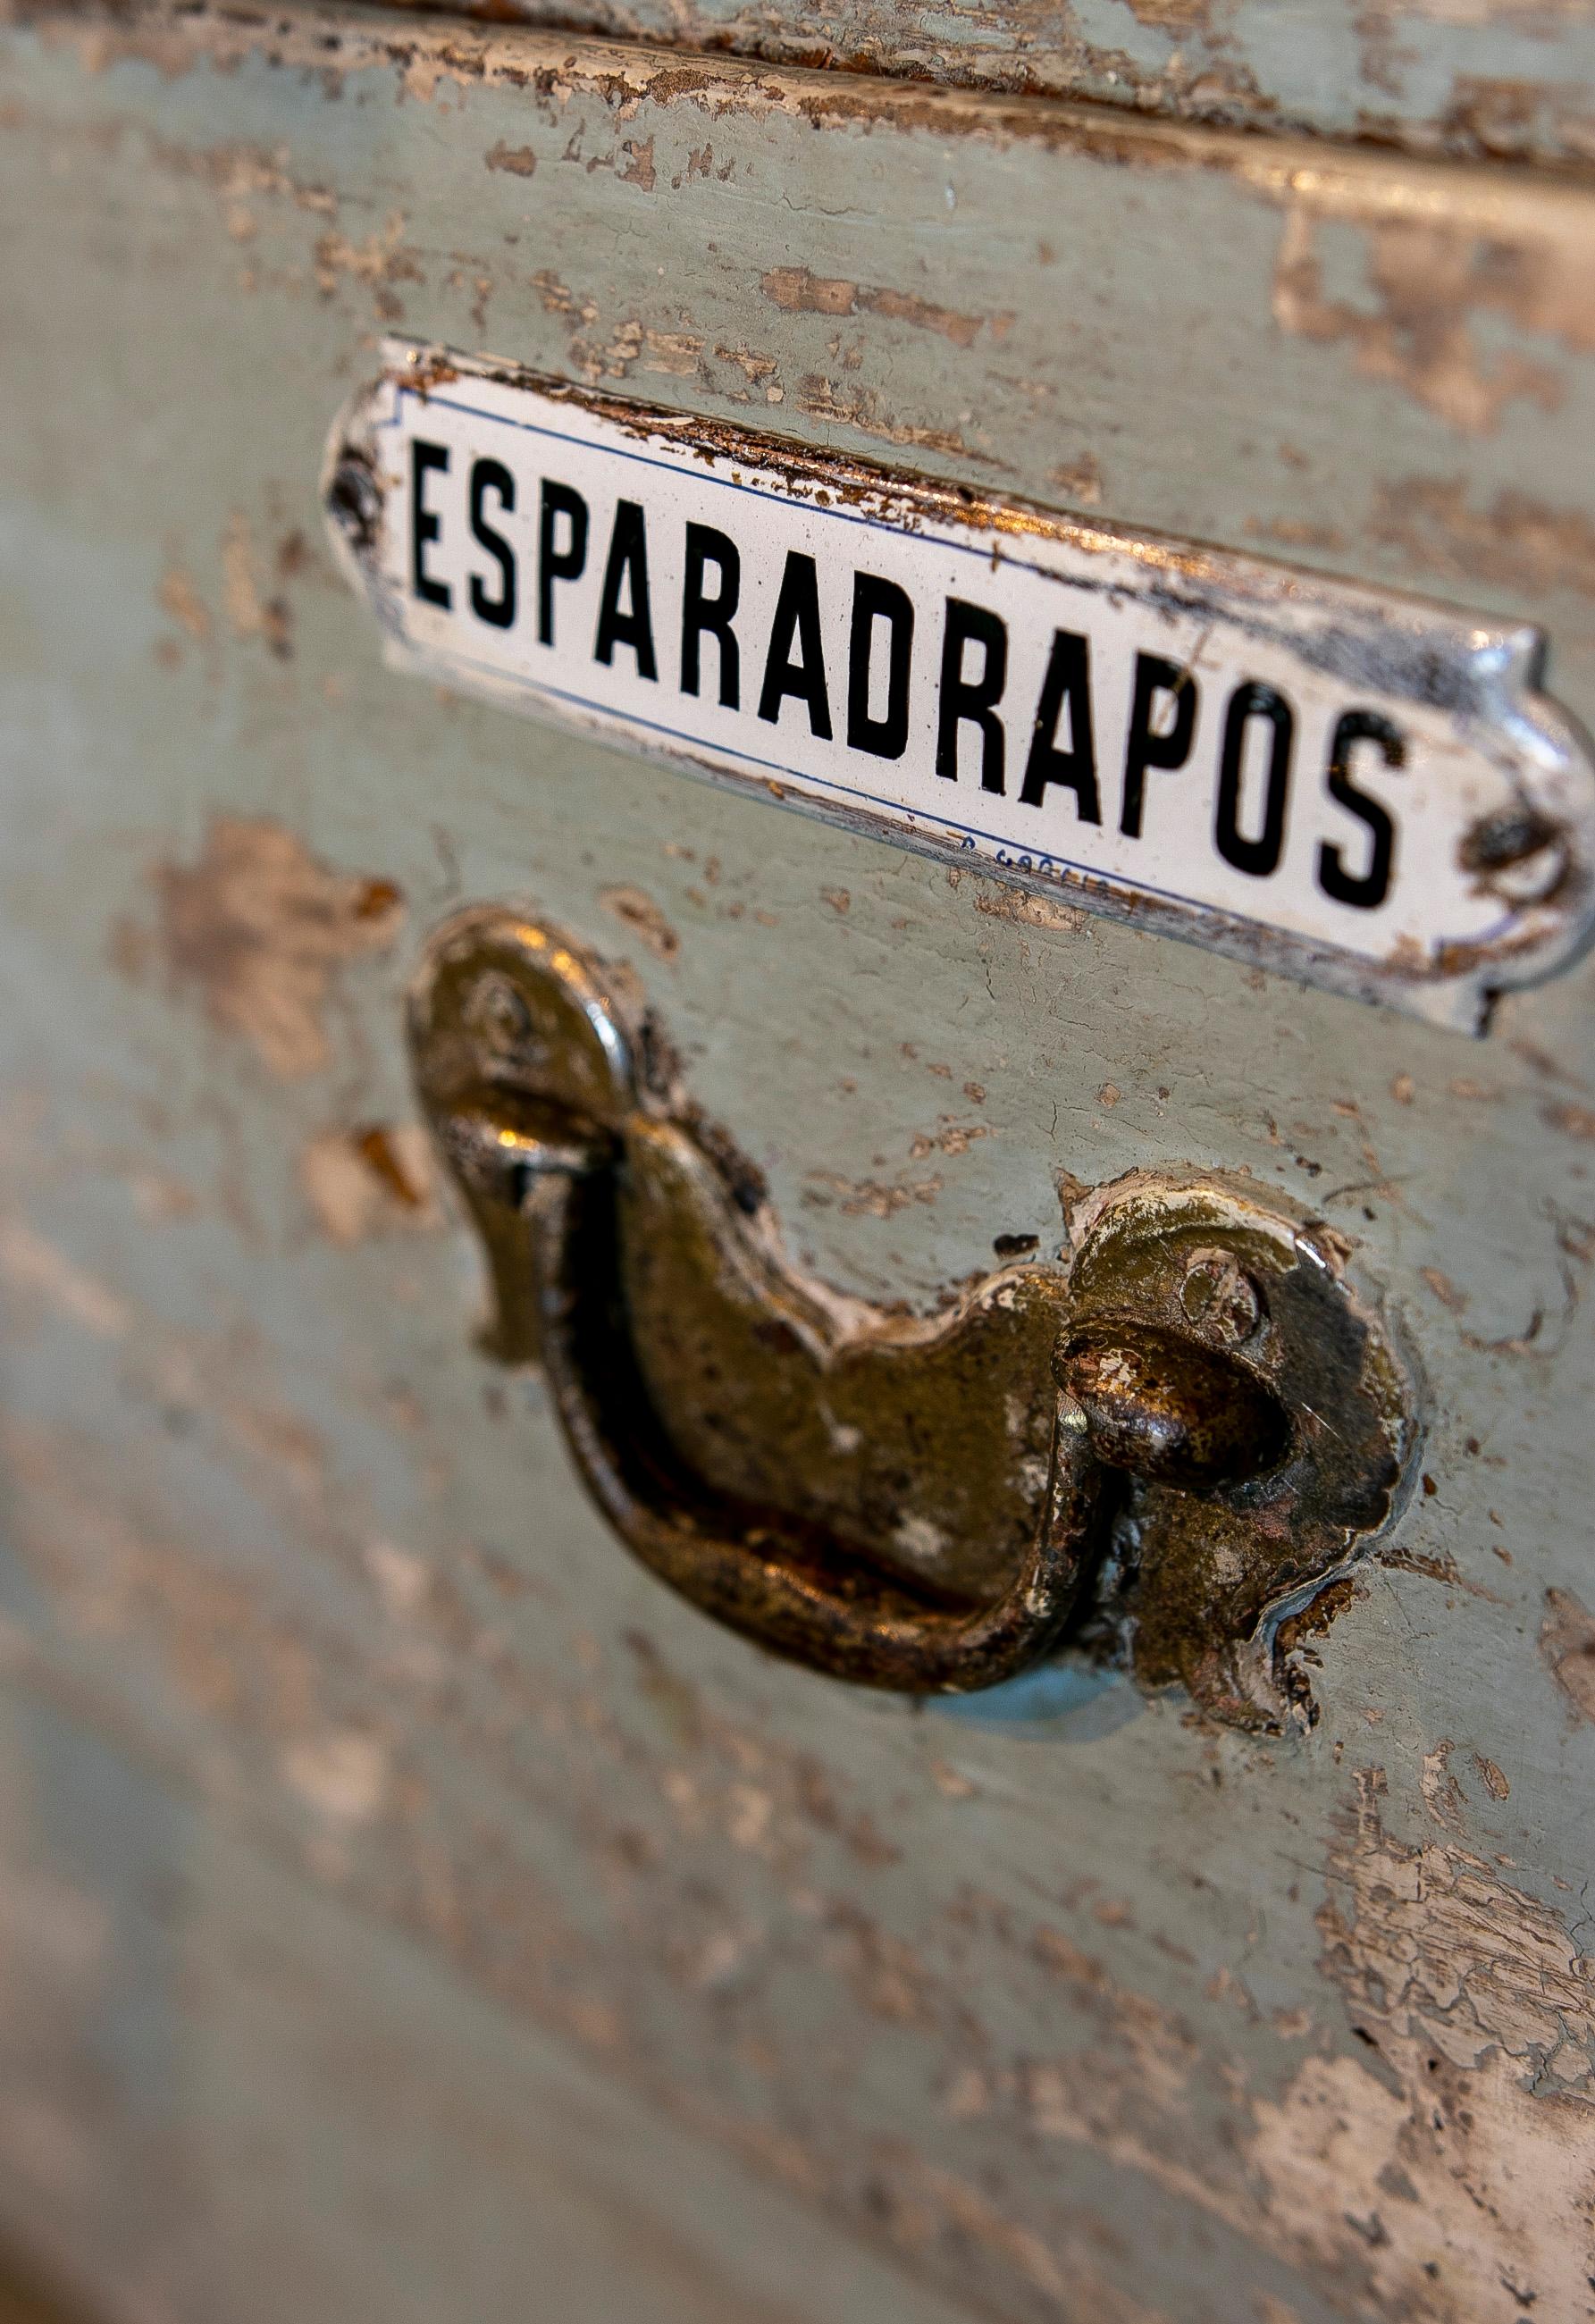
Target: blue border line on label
point(982, 842)
point(729, 483)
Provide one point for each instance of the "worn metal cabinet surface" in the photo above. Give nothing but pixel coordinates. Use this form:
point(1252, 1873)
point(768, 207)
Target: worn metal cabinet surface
point(409, 1909)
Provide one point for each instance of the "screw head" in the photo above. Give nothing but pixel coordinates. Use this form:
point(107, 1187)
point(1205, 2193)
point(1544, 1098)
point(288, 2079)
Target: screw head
point(1170, 1412)
point(498, 1016)
point(1520, 855)
point(354, 500)
point(1220, 1300)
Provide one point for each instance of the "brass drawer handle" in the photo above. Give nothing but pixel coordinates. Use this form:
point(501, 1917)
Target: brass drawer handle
point(911, 1504)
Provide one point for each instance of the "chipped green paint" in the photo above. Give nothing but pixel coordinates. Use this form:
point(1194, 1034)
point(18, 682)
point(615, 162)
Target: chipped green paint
point(405, 1901)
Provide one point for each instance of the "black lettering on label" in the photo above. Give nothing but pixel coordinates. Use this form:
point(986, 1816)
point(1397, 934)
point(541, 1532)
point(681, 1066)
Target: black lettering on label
point(797, 621)
point(493, 476)
point(873, 601)
point(1366, 890)
point(1259, 856)
point(703, 616)
point(1154, 679)
point(553, 563)
point(424, 527)
point(973, 700)
point(627, 566)
point(1068, 684)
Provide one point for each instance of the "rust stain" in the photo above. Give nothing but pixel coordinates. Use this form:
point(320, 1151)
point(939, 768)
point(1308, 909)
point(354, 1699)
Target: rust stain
point(637, 910)
point(370, 1181)
point(1567, 1644)
point(257, 928)
point(1426, 278)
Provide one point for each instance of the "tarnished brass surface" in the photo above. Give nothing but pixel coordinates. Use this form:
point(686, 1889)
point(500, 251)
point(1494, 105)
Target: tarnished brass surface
point(23, 2299)
point(1186, 1406)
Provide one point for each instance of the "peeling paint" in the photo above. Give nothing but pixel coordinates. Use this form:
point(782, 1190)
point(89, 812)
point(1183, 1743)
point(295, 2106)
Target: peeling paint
point(636, 910)
point(251, 616)
point(370, 1181)
point(35, 1269)
point(873, 1198)
point(342, 1776)
point(1459, 2153)
point(1521, 543)
point(258, 929)
point(520, 160)
point(1567, 1643)
point(181, 600)
point(1426, 279)
point(798, 292)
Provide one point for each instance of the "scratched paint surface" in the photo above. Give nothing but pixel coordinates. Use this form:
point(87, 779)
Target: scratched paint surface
point(406, 1902)
point(1484, 79)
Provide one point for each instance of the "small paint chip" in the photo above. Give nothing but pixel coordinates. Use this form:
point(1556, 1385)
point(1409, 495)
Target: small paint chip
point(34, 1267)
point(181, 600)
point(343, 1774)
point(367, 1181)
point(1495, 1783)
point(258, 927)
point(520, 160)
point(1567, 1644)
point(639, 912)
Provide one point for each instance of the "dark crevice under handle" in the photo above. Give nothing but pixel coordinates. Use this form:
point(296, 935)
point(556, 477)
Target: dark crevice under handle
point(781, 1593)
point(816, 1601)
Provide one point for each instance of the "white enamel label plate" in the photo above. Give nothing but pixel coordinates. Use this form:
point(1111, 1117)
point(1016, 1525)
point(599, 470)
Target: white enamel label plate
point(1361, 789)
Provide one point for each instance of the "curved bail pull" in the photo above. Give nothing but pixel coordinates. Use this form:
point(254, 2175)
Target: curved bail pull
point(908, 1505)
point(815, 1601)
